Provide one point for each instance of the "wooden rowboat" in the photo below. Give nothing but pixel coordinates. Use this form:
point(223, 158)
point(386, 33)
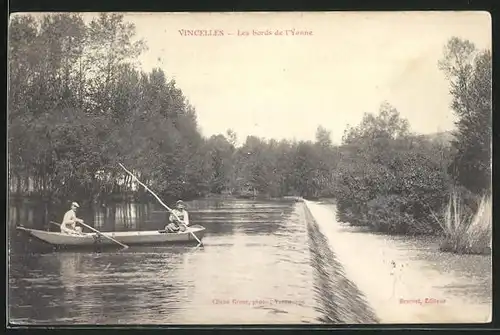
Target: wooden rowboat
point(152, 237)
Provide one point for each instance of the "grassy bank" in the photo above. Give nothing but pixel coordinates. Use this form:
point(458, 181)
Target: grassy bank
point(467, 233)
point(466, 229)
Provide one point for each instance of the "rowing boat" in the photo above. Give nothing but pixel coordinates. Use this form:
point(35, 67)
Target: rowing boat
point(126, 237)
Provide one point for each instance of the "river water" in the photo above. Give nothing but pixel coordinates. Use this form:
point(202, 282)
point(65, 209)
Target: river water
point(257, 266)
point(253, 268)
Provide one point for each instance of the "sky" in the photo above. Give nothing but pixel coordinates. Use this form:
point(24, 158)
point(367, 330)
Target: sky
point(279, 86)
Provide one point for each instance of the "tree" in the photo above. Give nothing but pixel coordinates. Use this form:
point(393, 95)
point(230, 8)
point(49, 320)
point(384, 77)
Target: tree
point(387, 125)
point(78, 106)
point(220, 153)
point(109, 46)
point(323, 137)
point(327, 161)
point(232, 137)
point(389, 179)
point(469, 73)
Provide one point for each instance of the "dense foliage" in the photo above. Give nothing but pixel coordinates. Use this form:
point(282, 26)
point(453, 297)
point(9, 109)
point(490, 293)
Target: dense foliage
point(389, 178)
point(470, 74)
point(79, 105)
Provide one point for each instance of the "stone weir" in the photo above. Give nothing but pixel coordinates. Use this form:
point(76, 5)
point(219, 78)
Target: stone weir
point(340, 301)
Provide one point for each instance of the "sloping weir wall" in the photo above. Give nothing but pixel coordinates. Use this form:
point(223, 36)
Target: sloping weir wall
point(340, 301)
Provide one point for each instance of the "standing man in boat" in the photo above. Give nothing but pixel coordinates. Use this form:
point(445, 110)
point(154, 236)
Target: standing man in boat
point(178, 212)
point(68, 225)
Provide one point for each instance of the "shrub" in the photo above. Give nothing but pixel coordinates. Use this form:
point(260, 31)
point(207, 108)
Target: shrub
point(390, 179)
point(394, 192)
point(389, 214)
point(354, 192)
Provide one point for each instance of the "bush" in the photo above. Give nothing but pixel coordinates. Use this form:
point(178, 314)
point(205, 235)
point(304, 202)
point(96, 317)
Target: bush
point(354, 192)
point(388, 214)
point(390, 179)
point(395, 192)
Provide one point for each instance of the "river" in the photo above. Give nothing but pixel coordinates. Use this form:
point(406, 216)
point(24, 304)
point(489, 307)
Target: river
point(257, 266)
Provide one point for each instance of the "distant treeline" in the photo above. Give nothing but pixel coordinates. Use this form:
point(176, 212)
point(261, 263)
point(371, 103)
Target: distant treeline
point(78, 106)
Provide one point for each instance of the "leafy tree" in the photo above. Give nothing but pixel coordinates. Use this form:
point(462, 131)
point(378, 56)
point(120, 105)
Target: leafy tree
point(220, 153)
point(469, 73)
point(78, 106)
point(388, 178)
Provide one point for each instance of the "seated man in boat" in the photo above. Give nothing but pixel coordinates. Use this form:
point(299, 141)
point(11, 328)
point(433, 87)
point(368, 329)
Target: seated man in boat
point(178, 213)
point(68, 225)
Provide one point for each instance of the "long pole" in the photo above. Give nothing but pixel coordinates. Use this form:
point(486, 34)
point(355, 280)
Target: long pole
point(97, 231)
point(161, 202)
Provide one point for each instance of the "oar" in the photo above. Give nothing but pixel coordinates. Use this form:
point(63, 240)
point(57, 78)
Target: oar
point(57, 224)
point(161, 202)
point(97, 231)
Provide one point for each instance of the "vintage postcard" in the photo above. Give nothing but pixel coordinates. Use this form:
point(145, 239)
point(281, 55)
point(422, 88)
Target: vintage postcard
point(249, 168)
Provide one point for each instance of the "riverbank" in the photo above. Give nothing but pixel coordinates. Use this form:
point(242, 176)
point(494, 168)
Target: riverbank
point(408, 280)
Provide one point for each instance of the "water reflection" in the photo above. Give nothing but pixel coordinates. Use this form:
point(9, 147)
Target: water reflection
point(219, 216)
point(251, 251)
point(254, 268)
point(122, 216)
point(101, 288)
point(245, 216)
point(256, 251)
point(37, 289)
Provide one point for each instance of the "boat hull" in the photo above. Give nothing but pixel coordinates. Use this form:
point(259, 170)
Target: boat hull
point(129, 238)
